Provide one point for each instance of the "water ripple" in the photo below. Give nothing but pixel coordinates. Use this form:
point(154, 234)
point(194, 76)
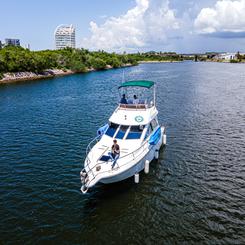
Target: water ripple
point(195, 192)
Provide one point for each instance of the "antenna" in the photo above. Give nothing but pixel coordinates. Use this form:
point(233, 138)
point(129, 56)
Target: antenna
point(123, 77)
point(123, 80)
point(154, 91)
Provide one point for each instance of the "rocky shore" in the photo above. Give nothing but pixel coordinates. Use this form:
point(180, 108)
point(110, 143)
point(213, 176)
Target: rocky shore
point(30, 76)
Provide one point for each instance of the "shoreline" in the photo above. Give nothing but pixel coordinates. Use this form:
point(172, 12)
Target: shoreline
point(15, 77)
point(226, 61)
point(159, 61)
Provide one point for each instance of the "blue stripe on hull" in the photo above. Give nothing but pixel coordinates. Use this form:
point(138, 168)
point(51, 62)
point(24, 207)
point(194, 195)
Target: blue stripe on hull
point(155, 137)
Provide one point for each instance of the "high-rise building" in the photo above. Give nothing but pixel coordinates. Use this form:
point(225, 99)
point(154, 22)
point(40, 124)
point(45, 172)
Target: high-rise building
point(65, 36)
point(12, 42)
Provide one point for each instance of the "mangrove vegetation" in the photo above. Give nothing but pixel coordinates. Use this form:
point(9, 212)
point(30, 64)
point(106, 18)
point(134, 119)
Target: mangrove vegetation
point(18, 59)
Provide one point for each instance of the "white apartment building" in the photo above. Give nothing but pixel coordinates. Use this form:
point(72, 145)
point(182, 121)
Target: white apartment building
point(65, 36)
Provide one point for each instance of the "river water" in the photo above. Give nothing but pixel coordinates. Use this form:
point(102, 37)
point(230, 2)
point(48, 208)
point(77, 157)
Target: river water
point(194, 194)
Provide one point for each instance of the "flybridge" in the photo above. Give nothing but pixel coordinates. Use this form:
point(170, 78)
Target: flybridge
point(137, 94)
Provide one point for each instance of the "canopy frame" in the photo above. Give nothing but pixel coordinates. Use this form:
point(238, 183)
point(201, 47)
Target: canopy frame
point(140, 83)
point(137, 83)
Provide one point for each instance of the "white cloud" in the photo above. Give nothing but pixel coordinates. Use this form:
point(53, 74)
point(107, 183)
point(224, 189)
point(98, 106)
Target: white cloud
point(150, 21)
point(104, 16)
point(226, 16)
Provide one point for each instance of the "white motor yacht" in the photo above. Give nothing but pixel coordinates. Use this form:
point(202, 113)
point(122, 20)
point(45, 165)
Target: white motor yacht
point(135, 126)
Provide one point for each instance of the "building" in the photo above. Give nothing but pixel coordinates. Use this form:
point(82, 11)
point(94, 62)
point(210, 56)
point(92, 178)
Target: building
point(65, 36)
point(12, 42)
point(226, 56)
point(28, 46)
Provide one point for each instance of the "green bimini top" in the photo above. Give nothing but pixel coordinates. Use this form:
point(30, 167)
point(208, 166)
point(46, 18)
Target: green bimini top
point(137, 83)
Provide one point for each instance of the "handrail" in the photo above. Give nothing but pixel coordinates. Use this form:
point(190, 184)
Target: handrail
point(123, 157)
point(87, 158)
point(134, 150)
point(94, 176)
point(131, 153)
point(90, 143)
point(136, 107)
point(133, 106)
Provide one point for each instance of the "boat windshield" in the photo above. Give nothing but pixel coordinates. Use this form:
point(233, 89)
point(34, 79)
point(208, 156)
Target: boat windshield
point(122, 131)
point(112, 129)
point(135, 132)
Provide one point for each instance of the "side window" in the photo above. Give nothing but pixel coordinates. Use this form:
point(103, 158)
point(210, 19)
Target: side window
point(149, 131)
point(120, 134)
point(154, 123)
point(112, 129)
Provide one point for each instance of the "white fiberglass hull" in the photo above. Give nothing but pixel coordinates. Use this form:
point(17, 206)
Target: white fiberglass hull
point(135, 168)
point(117, 174)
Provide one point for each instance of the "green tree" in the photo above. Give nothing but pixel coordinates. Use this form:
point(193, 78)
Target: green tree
point(98, 63)
point(77, 66)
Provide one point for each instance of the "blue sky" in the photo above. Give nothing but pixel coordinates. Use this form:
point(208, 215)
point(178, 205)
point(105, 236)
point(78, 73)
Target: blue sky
point(129, 25)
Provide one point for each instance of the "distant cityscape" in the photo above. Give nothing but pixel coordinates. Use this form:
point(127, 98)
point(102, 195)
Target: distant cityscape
point(10, 42)
point(65, 36)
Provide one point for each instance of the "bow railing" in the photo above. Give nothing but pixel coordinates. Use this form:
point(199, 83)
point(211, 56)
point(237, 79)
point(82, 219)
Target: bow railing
point(88, 149)
point(131, 156)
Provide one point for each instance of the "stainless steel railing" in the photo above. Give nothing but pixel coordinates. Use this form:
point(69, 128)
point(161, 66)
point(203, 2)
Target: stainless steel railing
point(88, 149)
point(136, 107)
point(132, 156)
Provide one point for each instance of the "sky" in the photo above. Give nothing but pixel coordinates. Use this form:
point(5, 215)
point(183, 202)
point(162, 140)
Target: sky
point(183, 26)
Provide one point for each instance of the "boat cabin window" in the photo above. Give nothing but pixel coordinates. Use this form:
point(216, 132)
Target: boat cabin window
point(135, 132)
point(149, 130)
point(154, 123)
point(112, 129)
point(122, 131)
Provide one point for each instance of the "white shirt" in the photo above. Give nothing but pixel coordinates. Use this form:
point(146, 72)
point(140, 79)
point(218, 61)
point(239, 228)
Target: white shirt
point(135, 101)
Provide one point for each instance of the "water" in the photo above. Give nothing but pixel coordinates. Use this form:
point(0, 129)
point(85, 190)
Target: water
point(195, 193)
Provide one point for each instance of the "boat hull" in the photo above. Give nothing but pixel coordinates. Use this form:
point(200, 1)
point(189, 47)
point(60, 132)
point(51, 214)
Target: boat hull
point(138, 167)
